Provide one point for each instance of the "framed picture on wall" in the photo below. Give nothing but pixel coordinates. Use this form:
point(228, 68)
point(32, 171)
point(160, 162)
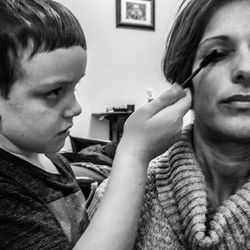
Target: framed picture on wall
point(138, 14)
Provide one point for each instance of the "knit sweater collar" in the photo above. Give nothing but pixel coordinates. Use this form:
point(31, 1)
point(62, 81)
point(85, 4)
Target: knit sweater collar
point(182, 193)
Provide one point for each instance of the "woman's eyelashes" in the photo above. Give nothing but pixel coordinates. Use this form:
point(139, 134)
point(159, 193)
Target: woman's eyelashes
point(219, 55)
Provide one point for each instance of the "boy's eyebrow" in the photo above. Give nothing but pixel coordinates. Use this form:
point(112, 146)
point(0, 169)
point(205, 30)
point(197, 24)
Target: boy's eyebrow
point(60, 82)
point(53, 84)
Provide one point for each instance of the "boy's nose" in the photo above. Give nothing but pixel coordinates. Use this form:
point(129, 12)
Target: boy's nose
point(241, 71)
point(77, 109)
point(73, 109)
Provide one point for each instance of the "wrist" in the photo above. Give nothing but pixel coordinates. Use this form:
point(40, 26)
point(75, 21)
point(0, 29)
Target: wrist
point(133, 150)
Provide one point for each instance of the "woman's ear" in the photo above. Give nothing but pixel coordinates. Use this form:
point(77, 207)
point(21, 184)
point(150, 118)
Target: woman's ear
point(2, 99)
point(192, 93)
point(0, 123)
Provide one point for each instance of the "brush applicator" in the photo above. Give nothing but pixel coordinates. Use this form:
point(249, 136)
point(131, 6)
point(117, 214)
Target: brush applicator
point(208, 59)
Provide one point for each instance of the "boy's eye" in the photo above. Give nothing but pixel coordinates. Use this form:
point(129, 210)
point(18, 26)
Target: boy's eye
point(53, 94)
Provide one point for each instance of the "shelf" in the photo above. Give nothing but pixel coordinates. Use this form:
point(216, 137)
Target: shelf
point(111, 115)
point(116, 122)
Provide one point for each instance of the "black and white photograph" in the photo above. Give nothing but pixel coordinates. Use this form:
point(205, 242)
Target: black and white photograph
point(124, 125)
point(138, 14)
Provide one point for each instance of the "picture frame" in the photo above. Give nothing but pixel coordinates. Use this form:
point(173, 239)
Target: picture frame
point(135, 14)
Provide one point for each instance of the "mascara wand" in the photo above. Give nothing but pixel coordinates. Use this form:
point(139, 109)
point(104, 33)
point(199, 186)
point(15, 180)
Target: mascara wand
point(208, 59)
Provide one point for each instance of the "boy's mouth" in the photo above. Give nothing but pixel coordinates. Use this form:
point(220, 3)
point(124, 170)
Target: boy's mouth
point(65, 131)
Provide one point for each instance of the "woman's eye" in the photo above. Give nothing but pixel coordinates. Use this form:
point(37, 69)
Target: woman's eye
point(53, 94)
point(220, 55)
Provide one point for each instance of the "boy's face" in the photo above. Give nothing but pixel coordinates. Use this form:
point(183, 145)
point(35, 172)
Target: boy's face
point(41, 105)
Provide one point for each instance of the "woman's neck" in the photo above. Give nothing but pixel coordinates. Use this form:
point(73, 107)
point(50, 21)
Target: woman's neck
point(226, 166)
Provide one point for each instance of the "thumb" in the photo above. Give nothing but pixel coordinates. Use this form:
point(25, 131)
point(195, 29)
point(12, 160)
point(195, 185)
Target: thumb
point(169, 97)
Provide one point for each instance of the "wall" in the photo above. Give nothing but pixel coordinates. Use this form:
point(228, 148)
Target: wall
point(122, 63)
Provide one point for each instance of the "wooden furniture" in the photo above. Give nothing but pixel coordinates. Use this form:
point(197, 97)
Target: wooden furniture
point(116, 122)
point(79, 143)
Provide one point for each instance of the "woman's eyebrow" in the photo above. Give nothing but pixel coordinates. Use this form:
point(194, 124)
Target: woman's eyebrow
point(221, 38)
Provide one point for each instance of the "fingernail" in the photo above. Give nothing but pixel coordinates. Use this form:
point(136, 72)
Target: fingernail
point(177, 85)
point(187, 91)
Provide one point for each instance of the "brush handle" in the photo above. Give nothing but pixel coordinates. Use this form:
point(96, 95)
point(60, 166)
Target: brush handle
point(187, 81)
point(210, 58)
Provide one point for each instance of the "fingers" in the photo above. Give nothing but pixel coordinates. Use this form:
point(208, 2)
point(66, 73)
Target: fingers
point(169, 97)
point(183, 104)
point(175, 111)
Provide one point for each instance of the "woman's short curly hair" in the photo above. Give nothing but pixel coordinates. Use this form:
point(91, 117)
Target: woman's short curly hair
point(185, 35)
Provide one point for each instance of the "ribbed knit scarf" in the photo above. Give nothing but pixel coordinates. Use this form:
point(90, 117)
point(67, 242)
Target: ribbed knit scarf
point(186, 198)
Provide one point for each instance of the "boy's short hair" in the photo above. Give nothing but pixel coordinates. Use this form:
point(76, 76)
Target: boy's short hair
point(35, 26)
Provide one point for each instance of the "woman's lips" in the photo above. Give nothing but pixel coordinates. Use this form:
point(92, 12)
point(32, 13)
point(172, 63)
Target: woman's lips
point(238, 101)
point(238, 98)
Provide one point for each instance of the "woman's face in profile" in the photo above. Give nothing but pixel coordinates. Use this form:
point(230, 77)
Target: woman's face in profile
point(222, 90)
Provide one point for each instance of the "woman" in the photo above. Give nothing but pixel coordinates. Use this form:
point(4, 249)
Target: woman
point(198, 192)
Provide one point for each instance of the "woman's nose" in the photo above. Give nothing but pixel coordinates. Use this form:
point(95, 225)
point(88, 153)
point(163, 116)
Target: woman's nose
point(241, 71)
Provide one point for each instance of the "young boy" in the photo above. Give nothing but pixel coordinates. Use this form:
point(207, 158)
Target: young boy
point(42, 58)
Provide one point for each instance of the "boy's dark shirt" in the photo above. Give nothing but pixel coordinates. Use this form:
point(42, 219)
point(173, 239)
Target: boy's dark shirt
point(39, 210)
